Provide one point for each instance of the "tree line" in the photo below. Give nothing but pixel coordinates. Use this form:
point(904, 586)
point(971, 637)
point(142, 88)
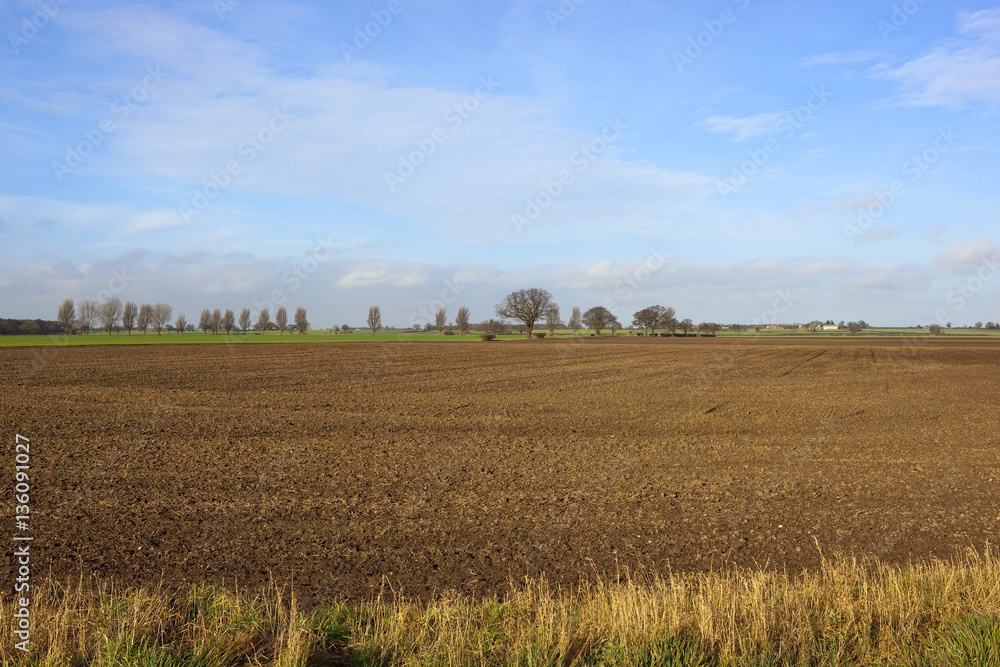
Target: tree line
point(113, 315)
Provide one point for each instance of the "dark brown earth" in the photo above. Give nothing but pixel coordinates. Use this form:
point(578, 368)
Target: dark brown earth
point(465, 465)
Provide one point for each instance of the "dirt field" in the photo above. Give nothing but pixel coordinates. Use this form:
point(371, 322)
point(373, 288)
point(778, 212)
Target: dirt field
point(462, 466)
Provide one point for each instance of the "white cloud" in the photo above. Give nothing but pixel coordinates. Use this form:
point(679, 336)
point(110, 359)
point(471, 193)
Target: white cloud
point(743, 128)
point(957, 73)
point(352, 124)
point(848, 57)
point(963, 257)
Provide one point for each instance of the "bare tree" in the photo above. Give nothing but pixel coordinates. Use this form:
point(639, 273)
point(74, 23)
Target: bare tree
point(707, 329)
point(87, 314)
point(281, 319)
point(301, 322)
point(216, 320)
point(109, 312)
point(161, 315)
point(144, 318)
point(374, 319)
point(575, 320)
point(552, 321)
point(685, 326)
point(205, 321)
point(615, 326)
point(527, 306)
point(647, 318)
point(935, 329)
point(462, 320)
point(668, 320)
point(181, 322)
point(440, 319)
point(344, 328)
point(854, 327)
point(598, 318)
point(263, 319)
point(129, 314)
point(814, 326)
point(66, 315)
point(245, 320)
point(228, 321)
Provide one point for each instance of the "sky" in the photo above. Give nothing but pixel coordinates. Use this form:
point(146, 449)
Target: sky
point(739, 160)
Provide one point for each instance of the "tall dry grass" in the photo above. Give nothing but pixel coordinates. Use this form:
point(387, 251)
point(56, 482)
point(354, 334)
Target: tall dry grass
point(848, 612)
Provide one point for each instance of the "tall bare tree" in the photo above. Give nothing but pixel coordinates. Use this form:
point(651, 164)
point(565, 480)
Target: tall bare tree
point(440, 319)
point(462, 320)
point(144, 318)
point(668, 320)
point(598, 318)
point(281, 319)
point(301, 321)
point(229, 321)
point(707, 329)
point(216, 321)
point(263, 319)
point(129, 314)
point(66, 315)
point(552, 321)
point(527, 306)
point(109, 312)
point(87, 314)
point(575, 320)
point(648, 318)
point(205, 321)
point(374, 319)
point(181, 322)
point(685, 325)
point(245, 320)
point(161, 315)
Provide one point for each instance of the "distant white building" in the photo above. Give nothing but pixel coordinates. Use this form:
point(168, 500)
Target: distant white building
point(829, 327)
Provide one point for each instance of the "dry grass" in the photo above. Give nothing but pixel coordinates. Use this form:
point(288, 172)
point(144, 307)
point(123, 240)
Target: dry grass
point(847, 613)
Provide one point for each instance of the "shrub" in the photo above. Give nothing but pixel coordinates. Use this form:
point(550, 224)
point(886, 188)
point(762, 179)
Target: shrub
point(487, 336)
point(539, 334)
point(449, 332)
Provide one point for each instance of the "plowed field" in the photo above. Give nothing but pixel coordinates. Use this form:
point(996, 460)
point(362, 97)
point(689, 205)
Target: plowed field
point(466, 465)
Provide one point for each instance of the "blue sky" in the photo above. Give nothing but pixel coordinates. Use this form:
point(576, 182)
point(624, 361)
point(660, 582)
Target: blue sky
point(739, 160)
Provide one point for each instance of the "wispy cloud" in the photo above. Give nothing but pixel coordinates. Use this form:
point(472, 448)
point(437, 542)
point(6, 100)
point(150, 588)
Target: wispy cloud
point(743, 128)
point(847, 58)
point(957, 73)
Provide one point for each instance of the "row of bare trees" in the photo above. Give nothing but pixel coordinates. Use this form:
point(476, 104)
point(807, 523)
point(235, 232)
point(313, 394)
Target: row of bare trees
point(531, 306)
point(225, 321)
point(112, 313)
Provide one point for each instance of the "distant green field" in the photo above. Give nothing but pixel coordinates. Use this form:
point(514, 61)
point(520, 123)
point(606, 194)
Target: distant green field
point(324, 336)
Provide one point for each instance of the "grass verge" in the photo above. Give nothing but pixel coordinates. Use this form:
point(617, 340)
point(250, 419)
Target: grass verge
point(846, 613)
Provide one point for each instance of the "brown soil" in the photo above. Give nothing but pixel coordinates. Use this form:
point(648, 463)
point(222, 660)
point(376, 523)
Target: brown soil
point(467, 465)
